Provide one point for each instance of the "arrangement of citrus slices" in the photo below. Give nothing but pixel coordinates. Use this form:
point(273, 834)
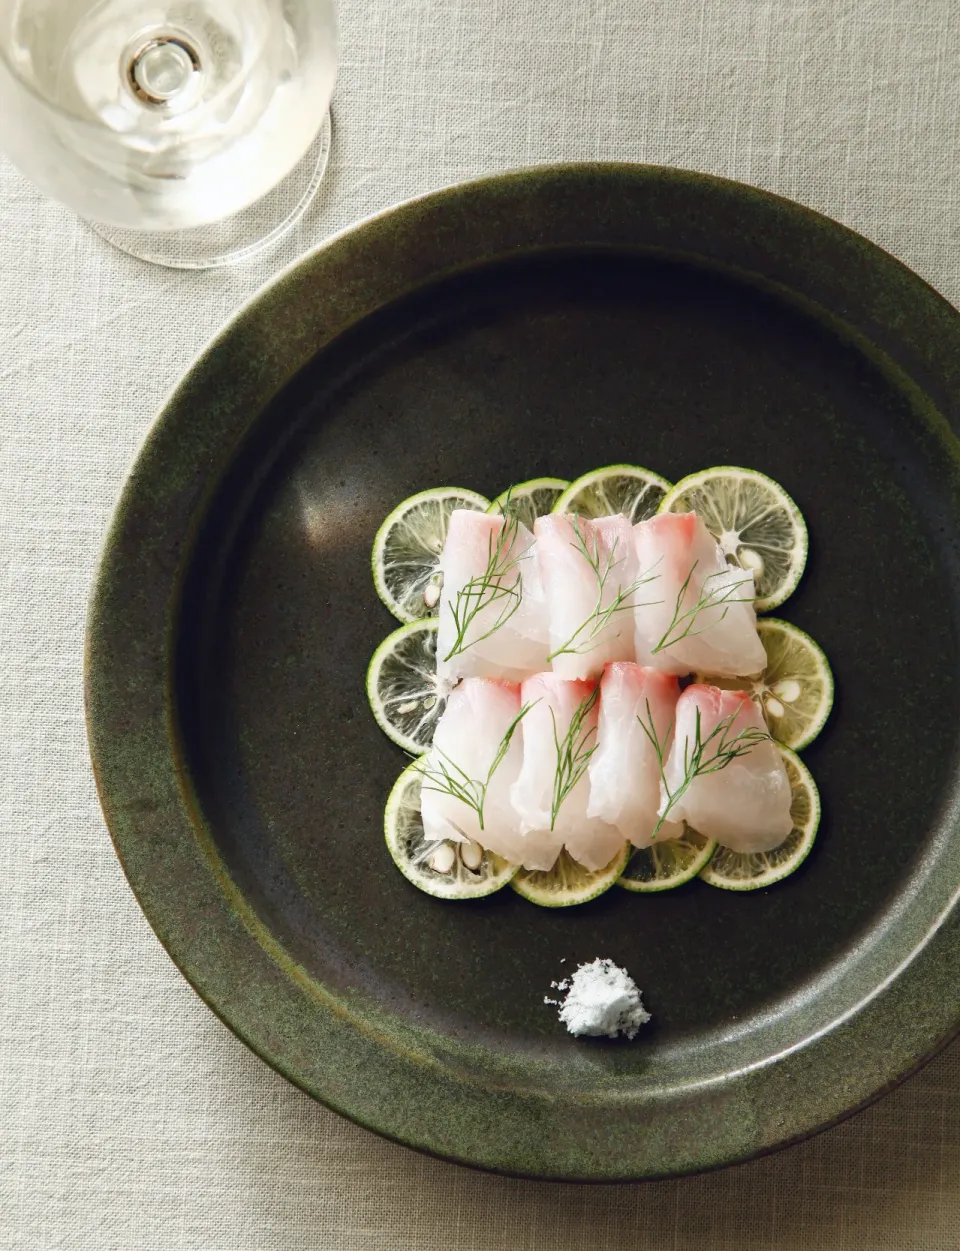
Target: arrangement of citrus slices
point(759, 529)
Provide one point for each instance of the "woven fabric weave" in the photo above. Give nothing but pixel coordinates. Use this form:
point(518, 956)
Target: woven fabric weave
point(130, 1118)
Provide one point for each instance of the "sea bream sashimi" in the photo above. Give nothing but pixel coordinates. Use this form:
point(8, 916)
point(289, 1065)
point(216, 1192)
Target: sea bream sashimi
point(492, 615)
point(744, 803)
point(588, 569)
point(465, 793)
point(624, 771)
point(699, 613)
point(552, 792)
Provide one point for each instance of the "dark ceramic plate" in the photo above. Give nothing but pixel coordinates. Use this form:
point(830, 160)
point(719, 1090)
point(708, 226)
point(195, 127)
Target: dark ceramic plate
point(541, 323)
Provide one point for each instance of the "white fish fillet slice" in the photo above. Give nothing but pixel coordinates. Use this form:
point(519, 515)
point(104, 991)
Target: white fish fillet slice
point(625, 771)
point(516, 647)
point(745, 806)
point(594, 843)
point(478, 715)
point(575, 598)
point(722, 636)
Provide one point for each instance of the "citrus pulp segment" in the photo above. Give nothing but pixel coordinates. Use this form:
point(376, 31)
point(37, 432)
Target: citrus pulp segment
point(668, 864)
point(447, 870)
point(402, 685)
point(736, 870)
point(754, 520)
point(629, 489)
point(407, 548)
point(529, 500)
point(568, 882)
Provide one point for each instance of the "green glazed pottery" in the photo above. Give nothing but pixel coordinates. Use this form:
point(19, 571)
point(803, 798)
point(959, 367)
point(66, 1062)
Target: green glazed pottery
point(544, 322)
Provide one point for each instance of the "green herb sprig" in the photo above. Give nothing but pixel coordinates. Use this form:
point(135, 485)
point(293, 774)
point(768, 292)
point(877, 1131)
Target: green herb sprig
point(447, 777)
point(500, 583)
point(586, 636)
point(682, 622)
point(573, 752)
point(700, 755)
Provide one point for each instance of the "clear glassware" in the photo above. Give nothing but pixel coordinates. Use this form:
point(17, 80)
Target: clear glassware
point(163, 121)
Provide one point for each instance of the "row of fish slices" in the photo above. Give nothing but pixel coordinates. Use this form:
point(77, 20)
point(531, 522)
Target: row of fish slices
point(544, 608)
point(745, 806)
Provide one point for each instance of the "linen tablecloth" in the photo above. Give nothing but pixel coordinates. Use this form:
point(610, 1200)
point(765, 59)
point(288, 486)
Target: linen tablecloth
point(130, 1118)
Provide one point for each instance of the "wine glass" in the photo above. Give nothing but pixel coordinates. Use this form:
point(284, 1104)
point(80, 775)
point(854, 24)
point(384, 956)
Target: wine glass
point(188, 132)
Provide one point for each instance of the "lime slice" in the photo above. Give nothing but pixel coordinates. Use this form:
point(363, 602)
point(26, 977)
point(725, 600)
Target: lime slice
point(408, 545)
point(626, 489)
point(447, 870)
point(795, 690)
point(754, 520)
point(737, 870)
point(402, 685)
point(668, 864)
point(530, 500)
point(568, 882)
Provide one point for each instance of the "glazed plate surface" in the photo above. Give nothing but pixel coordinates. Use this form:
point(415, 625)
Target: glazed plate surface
point(542, 323)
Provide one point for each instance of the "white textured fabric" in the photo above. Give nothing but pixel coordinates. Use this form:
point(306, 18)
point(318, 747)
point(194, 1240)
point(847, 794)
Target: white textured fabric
point(130, 1119)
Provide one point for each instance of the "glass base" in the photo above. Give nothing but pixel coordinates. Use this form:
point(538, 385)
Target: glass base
point(240, 236)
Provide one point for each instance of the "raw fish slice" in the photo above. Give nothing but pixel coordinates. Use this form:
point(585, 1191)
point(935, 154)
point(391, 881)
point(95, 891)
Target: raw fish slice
point(624, 770)
point(507, 636)
point(746, 805)
point(575, 556)
point(553, 703)
point(722, 636)
point(478, 715)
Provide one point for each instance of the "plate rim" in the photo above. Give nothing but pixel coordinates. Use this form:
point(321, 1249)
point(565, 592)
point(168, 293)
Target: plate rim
point(156, 822)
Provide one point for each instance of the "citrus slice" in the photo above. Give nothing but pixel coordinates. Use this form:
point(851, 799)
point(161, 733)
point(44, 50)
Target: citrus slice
point(754, 520)
point(402, 685)
point(530, 500)
point(668, 864)
point(626, 489)
point(795, 690)
point(447, 870)
point(737, 870)
point(568, 882)
point(408, 545)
